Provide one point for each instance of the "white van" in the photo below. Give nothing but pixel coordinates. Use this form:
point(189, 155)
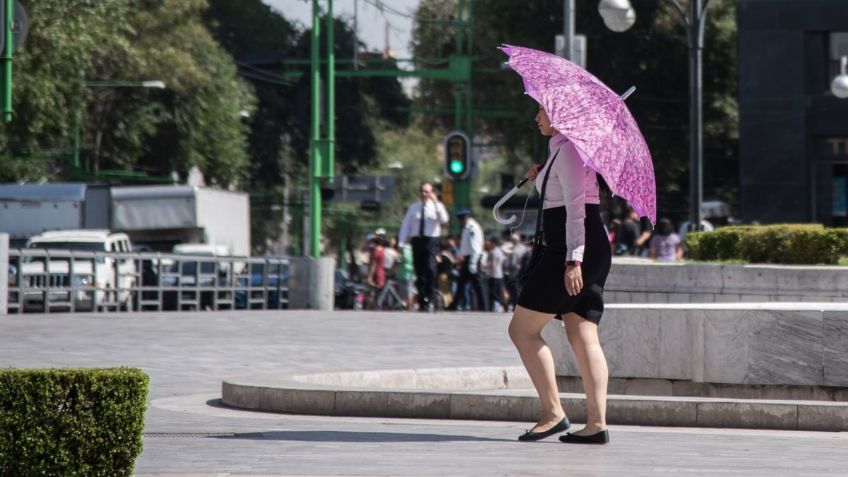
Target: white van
point(99, 274)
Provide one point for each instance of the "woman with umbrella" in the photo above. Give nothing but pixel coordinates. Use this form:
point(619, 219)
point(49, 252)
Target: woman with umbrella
point(592, 134)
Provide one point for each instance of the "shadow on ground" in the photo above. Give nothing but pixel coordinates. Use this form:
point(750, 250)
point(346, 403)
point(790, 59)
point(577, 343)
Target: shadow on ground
point(342, 436)
point(352, 436)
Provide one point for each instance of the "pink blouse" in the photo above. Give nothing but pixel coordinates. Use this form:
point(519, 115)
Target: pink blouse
point(573, 185)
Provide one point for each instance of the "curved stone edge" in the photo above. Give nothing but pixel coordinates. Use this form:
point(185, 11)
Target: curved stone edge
point(293, 396)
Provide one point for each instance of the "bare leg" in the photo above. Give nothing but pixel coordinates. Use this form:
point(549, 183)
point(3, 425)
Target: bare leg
point(525, 330)
point(583, 336)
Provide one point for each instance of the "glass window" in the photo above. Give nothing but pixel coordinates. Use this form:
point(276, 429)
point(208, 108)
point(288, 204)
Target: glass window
point(83, 246)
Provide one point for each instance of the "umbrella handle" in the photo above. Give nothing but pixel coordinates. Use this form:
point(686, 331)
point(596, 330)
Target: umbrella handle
point(496, 209)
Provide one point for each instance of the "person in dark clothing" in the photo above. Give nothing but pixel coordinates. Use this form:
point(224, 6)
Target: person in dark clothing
point(633, 235)
point(470, 252)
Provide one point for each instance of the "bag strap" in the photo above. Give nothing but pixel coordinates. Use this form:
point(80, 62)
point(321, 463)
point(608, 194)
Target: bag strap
point(538, 235)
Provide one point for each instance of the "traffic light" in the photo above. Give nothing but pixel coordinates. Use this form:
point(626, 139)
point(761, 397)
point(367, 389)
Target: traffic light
point(457, 156)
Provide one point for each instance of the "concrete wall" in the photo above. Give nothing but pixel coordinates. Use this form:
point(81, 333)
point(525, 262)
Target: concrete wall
point(679, 283)
point(759, 344)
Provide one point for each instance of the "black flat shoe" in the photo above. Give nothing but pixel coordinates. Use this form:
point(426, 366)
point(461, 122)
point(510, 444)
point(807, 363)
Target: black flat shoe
point(598, 438)
point(561, 426)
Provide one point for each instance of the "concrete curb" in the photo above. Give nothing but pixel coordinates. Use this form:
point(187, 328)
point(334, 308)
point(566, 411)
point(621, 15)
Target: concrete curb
point(506, 394)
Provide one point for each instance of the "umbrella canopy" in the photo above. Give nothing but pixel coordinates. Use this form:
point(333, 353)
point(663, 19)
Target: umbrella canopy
point(595, 119)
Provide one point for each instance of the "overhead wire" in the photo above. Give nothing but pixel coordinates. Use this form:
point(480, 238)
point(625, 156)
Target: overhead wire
point(264, 79)
point(264, 72)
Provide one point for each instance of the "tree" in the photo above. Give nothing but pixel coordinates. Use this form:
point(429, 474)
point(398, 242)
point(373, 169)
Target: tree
point(48, 81)
point(196, 121)
point(199, 120)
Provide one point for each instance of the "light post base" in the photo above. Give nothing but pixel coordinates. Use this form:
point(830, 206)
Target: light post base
point(312, 283)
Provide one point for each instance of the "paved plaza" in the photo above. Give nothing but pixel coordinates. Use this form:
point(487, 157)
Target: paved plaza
point(187, 355)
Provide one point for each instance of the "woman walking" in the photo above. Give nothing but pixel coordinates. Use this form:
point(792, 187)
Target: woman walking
point(566, 284)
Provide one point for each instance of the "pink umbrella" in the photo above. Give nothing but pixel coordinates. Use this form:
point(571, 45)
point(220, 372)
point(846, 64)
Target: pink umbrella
point(595, 119)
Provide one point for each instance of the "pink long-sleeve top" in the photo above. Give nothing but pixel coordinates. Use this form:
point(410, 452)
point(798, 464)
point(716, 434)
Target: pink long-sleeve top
point(573, 185)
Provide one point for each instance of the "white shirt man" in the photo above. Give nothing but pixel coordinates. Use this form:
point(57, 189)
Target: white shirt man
point(421, 228)
point(435, 215)
point(471, 243)
point(470, 251)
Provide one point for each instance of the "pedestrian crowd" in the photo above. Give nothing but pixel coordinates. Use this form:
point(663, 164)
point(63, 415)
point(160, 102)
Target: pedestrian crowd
point(423, 269)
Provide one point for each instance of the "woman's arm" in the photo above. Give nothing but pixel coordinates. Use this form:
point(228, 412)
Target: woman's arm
point(572, 178)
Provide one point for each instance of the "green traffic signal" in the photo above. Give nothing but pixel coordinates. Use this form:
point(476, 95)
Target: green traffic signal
point(457, 152)
point(456, 166)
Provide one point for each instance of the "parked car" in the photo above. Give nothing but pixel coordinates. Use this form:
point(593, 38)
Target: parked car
point(106, 279)
point(252, 287)
point(194, 273)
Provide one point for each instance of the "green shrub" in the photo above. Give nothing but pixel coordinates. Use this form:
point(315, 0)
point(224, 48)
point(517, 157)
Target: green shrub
point(779, 243)
point(71, 422)
point(721, 244)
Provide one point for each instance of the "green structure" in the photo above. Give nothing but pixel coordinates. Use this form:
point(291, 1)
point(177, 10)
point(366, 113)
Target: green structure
point(8, 49)
point(322, 147)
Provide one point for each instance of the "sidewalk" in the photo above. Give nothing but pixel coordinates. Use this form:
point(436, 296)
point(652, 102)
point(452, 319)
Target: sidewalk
point(189, 355)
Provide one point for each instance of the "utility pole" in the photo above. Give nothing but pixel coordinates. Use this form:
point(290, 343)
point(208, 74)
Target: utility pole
point(8, 19)
point(312, 275)
point(322, 149)
point(568, 28)
point(696, 19)
point(462, 97)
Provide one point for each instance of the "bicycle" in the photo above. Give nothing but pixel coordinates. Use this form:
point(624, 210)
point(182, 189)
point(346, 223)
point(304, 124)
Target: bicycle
point(388, 297)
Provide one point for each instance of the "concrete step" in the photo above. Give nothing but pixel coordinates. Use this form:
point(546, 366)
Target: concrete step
point(505, 393)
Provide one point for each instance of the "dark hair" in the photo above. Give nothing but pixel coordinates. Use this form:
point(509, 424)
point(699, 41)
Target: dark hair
point(664, 228)
point(603, 187)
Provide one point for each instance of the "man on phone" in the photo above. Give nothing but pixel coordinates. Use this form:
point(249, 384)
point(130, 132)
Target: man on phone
point(422, 227)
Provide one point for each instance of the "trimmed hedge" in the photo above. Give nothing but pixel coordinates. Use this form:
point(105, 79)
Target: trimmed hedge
point(71, 422)
point(780, 243)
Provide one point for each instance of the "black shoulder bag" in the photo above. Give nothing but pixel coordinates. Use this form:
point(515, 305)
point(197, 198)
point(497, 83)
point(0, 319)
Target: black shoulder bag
point(536, 243)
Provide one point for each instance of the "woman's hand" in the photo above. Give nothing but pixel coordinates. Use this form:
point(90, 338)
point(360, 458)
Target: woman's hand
point(533, 172)
point(573, 279)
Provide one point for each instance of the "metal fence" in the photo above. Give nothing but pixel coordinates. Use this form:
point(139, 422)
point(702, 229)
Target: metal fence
point(49, 281)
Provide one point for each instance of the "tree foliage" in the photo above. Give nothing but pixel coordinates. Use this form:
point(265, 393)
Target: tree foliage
point(196, 121)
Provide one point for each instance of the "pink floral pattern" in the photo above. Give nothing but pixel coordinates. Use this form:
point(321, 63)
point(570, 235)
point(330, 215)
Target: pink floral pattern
point(595, 119)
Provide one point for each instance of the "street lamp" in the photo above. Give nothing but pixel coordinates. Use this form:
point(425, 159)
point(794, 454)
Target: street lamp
point(839, 86)
point(617, 14)
point(150, 84)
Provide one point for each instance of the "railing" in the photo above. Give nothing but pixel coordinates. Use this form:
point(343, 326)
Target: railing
point(50, 281)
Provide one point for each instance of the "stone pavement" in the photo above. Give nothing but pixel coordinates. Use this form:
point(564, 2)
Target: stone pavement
point(188, 355)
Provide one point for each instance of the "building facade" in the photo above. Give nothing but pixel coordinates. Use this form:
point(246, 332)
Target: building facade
point(793, 130)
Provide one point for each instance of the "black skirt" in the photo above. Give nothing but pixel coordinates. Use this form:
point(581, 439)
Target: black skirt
point(544, 290)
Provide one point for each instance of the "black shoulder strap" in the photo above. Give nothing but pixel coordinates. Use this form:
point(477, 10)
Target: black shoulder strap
point(538, 235)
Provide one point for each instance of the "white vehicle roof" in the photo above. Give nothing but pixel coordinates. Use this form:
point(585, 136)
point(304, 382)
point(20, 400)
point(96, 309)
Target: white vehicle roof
point(201, 249)
point(78, 236)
